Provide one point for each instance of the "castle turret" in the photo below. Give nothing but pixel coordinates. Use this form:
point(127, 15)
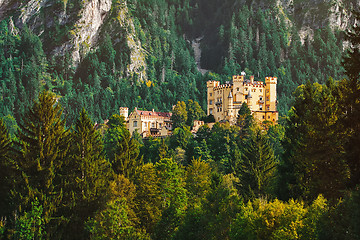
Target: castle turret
point(231, 109)
point(124, 111)
point(270, 93)
point(238, 87)
point(211, 96)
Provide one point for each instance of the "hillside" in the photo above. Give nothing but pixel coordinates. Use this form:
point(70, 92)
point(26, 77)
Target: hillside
point(71, 169)
point(107, 54)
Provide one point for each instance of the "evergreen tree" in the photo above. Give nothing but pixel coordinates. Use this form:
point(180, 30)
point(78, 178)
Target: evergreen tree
point(5, 170)
point(148, 199)
point(42, 146)
point(179, 115)
point(244, 119)
point(194, 112)
point(88, 175)
point(313, 162)
point(350, 103)
point(121, 149)
point(257, 167)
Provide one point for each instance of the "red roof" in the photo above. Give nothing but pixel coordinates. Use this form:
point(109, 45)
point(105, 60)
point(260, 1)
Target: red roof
point(151, 113)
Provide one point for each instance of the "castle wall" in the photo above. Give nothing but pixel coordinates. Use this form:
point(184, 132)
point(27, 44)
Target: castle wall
point(262, 102)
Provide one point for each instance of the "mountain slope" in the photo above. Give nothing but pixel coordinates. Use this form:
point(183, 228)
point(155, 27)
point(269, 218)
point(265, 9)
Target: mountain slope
point(107, 54)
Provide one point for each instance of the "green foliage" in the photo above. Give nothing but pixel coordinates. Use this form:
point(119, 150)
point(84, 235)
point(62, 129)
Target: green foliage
point(30, 225)
point(5, 170)
point(43, 143)
point(244, 119)
point(173, 197)
point(179, 115)
point(198, 180)
point(113, 223)
point(257, 167)
point(314, 145)
point(349, 104)
point(194, 112)
point(88, 175)
point(148, 199)
point(122, 151)
point(278, 220)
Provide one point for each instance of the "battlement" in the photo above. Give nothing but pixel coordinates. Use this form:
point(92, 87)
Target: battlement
point(271, 80)
point(223, 86)
point(212, 84)
point(238, 78)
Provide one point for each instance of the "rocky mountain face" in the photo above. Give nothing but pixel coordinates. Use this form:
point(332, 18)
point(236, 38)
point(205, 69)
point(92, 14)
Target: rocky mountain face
point(75, 27)
point(309, 15)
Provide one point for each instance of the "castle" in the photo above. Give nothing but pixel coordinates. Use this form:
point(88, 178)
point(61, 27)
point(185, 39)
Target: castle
point(147, 123)
point(224, 101)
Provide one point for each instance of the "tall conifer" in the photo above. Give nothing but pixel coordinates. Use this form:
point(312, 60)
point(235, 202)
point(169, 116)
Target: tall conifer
point(41, 149)
point(88, 174)
point(5, 175)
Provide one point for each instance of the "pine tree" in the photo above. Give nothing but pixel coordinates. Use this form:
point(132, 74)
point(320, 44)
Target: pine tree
point(121, 149)
point(244, 119)
point(5, 170)
point(258, 166)
point(350, 103)
point(179, 115)
point(88, 174)
point(41, 149)
point(148, 199)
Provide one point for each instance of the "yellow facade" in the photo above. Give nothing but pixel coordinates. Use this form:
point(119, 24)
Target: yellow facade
point(147, 123)
point(224, 101)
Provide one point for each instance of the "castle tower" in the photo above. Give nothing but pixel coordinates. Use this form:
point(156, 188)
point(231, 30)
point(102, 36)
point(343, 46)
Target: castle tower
point(124, 111)
point(211, 96)
point(238, 87)
point(270, 93)
point(231, 110)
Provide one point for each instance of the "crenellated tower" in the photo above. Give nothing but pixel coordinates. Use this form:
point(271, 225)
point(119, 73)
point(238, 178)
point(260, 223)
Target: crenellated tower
point(124, 111)
point(270, 93)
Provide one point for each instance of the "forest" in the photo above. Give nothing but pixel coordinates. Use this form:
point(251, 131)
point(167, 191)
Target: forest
point(65, 174)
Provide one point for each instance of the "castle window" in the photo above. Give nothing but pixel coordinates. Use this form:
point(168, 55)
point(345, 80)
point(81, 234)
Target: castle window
point(237, 89)
point(210, 94)
point(261, 107)
point(159, 125)
point(135, 124)
point(210, 102)
point(152, 125)
point(260, 90)
point(210, 111)
point(260, 98)
point(268, 108)
point(268, 117)
point(263, 117)
point(246, 89)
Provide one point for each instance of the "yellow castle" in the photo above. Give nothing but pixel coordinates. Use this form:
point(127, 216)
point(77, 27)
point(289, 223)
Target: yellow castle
point(147, 123)
point(224, 101)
